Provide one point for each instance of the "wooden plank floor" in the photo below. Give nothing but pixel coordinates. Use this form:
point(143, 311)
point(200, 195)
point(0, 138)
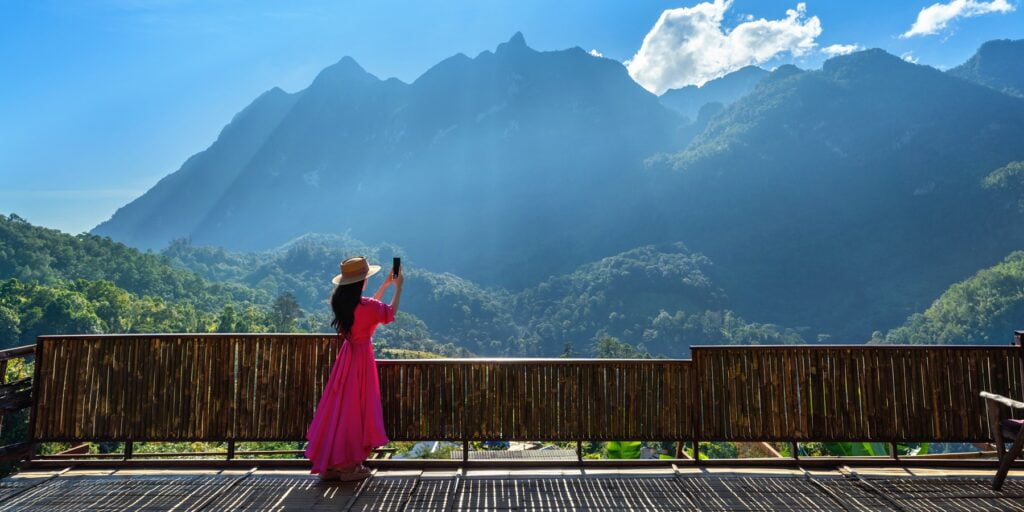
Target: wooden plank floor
point(710, 489)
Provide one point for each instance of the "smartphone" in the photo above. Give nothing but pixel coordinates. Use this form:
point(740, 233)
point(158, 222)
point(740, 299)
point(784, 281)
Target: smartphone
point(396, 265)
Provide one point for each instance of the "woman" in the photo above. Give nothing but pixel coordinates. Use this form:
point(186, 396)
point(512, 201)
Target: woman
point(348, 424)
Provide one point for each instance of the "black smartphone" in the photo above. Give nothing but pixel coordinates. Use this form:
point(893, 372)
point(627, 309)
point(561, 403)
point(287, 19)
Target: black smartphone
point(396, 264)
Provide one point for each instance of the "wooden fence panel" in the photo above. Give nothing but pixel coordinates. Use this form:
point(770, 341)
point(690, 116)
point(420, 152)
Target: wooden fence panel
point(132, 387)
point(423, 400)
point(851, 393)
point(636, 400)
point(279, 382)
point(522, 400)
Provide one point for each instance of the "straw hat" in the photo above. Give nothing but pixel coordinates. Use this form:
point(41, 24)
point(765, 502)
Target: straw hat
point(354, 270)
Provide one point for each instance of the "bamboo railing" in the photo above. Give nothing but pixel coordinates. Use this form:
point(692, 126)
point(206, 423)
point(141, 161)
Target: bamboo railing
point(258, 387)
point(15, 396)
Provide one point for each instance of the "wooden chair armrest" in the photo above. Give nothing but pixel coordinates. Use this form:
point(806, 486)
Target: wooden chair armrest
point(1002, 400)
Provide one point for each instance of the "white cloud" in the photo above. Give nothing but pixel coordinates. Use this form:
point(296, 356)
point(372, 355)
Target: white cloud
point(932, 19)
point(909, 57)
point(595, 53)
point(841, 49)
point(689, 45)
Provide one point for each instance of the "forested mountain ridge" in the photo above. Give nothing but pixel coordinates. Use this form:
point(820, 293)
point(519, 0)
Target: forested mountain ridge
point(454, 309)
point(661, 299)
point(32, 253)
point(724, 90)
point(850, 197)
point(997, 64)
point(55, 283)
point(985, 308)
point(656, 299)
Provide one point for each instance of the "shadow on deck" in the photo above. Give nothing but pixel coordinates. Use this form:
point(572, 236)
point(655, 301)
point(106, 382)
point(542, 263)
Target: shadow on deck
point(565, 489)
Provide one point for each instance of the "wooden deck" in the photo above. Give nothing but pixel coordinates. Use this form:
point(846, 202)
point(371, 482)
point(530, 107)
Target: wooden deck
point(709, 489)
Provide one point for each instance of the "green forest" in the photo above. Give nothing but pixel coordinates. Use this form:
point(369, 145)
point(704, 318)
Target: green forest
point(652, 301)
point(55, 283)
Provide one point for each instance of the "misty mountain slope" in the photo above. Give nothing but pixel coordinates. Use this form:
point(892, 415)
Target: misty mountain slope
point(505, 154)
point(997, 64)
point(847, 198)
point(725, 90)
point(178, 202)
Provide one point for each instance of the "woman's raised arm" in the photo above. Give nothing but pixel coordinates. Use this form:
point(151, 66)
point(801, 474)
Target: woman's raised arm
point(383, 287)
point(398, 289)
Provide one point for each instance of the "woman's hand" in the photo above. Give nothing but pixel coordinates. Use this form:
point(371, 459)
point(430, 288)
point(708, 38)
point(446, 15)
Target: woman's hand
point(389, 280)
point(397, 280)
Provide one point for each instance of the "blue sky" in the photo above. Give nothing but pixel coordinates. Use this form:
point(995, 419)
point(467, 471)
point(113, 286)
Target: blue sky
point(100, 99)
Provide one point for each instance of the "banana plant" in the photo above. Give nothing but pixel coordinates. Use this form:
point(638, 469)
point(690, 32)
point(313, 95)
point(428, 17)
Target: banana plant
point(874, 449)
point(623, 449)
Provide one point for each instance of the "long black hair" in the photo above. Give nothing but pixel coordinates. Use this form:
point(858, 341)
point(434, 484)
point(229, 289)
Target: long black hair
point(344, 300)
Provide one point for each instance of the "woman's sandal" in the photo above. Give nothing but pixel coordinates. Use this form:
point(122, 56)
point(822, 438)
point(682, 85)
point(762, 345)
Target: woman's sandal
point(330, 475)
point(358, 472)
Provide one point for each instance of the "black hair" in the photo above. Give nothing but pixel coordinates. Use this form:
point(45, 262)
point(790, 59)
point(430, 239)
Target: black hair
point(344, 300)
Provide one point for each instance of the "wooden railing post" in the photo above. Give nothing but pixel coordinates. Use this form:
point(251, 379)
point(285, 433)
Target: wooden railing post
point(128, 449)
point(795, 449)
point(3, 380)
point(231, 450)
point(465, 416)
point(35, 396)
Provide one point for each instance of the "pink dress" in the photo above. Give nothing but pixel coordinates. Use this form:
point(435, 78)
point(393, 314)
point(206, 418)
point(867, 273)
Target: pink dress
point(349, 424)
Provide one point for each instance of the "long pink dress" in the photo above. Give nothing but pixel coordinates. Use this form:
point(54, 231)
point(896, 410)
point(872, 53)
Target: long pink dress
point(348, 424)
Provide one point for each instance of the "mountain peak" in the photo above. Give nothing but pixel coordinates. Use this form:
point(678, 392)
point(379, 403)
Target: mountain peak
point(869, 64)
point(723, 90)
point(346, 70)
point(1013, 46)
point(516, 43)
point(997, 64)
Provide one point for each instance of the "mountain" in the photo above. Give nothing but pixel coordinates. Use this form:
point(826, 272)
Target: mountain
point(488, 151)
point(836, 202)
point(725, 90)
point(845, 199)
point(985, 308)
point(180, 201)
point(997, 64)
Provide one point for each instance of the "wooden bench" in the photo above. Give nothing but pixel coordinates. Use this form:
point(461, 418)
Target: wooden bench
point(1005, 430)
